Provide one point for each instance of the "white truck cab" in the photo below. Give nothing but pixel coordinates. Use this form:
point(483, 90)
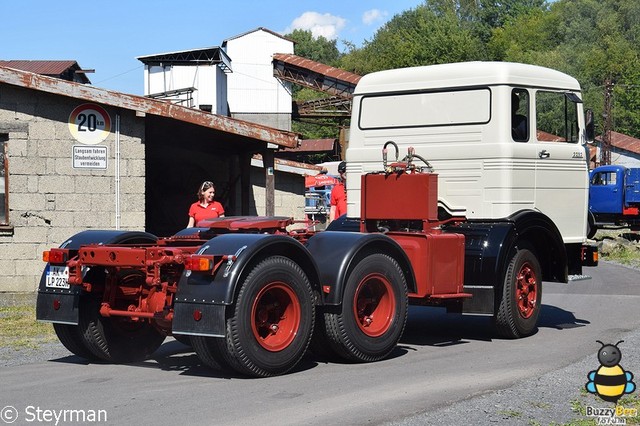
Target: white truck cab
point(502, 137)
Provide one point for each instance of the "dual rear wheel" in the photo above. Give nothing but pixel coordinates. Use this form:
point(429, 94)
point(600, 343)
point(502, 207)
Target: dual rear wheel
point(111, 339)
point(270, 326)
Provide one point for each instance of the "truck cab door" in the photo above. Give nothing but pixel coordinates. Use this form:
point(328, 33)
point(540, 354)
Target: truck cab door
point(561, 184)
point(605, 192)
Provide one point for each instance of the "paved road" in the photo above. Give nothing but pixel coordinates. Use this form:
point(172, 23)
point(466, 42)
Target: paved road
point(441, 360)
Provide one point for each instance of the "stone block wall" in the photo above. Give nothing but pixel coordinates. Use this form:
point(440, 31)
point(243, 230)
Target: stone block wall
point(49, 199)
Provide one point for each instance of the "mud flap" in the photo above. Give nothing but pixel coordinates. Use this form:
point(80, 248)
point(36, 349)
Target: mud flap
point(60, 308)
point(199, 319)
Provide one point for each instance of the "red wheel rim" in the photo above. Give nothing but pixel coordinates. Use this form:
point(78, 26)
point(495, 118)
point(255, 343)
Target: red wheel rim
point(275, 316)
point(526, 291)
point(374, 305)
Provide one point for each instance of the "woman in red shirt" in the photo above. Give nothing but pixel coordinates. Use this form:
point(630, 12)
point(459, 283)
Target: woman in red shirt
point(205, 207)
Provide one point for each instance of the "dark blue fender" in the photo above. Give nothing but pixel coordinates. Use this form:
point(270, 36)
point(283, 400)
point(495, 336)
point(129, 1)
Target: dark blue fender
point(336, 254)
point(67, 300)
point(210, 294)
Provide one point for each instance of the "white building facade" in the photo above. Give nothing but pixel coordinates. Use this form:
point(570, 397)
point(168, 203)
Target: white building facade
point(253, 93)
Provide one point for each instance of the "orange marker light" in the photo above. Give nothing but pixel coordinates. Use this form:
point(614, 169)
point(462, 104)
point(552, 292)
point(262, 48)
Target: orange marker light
point(199, 263)
point(55, 256)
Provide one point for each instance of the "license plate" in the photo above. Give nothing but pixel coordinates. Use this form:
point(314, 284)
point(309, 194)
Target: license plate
point(57, 277)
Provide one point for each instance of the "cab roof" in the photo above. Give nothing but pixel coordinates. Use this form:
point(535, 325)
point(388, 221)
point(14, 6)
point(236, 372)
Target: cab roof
point(465, 74)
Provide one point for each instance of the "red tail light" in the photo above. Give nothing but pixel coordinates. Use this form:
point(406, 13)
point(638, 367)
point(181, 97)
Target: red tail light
point(199, 263)
point(55, 256)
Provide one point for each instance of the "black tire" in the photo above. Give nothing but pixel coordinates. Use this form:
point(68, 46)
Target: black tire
point(211, 351)
point(71, 338)
point(373, 314)
point(269, 328)
point(592, 229)
point(183, 338)
point(519, 308)
point(117, 339)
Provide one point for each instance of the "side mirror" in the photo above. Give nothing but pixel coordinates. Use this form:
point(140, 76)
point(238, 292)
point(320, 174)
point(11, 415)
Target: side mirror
point(590, 131)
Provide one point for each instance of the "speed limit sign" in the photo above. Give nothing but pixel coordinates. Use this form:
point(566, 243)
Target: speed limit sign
point(89, 124)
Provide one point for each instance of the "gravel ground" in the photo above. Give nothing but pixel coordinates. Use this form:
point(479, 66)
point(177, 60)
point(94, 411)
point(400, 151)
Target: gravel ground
point(545, 400)
point(44, 352)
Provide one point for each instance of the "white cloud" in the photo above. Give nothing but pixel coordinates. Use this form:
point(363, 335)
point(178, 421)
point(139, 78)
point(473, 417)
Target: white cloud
point(372, 16)
point(326, 25)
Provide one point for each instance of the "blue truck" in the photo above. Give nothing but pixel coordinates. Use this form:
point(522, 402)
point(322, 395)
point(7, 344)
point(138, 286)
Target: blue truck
point(614, 198)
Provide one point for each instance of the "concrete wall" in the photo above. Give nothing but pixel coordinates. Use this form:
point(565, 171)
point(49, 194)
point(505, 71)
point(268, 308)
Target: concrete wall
point(288, 197)
point(49, 200)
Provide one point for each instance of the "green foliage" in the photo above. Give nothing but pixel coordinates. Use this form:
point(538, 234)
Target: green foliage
point(317, 49)
point(419, 36)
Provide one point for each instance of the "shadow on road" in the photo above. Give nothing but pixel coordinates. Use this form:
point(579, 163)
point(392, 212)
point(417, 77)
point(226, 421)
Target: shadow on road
point(426, 326)
point(558, 318)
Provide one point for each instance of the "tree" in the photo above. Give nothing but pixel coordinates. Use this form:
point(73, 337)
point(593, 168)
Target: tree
point(415, 37)
point(317, 49)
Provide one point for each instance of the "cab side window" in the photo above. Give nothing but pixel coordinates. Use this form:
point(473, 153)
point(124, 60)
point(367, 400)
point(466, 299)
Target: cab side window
point(603, 178)
point(557, 117)
point(520, 115)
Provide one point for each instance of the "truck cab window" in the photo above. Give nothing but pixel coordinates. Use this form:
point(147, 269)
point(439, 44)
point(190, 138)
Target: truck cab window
point(520, 115)
point(604, 178)
point(557, 117)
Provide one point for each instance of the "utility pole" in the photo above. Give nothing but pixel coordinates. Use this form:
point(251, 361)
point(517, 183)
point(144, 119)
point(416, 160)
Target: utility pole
point(605, 148)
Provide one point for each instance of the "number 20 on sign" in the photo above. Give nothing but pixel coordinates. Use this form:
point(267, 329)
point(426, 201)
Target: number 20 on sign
point(89, 124)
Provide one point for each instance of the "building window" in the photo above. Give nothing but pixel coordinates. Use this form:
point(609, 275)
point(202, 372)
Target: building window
point(4, 173)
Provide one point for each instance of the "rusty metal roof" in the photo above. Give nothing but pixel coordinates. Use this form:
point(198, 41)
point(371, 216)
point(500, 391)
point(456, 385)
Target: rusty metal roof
point(49, 68)
point(314, 145)
point(625, 142)
point(144, 105)
point(317, 67)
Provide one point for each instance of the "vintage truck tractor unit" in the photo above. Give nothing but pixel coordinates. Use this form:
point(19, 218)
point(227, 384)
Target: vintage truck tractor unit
point(252, 294)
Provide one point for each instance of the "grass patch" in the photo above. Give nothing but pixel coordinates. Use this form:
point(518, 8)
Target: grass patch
point(19, 328)
point(510, 413)
point(625, 255)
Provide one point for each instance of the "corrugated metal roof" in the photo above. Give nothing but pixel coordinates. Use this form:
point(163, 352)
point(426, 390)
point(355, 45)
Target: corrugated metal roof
point(141, 104)
point(287, 165)
point(625, 142)
point(317, 67)
point(49, 68)
point(40, 67)
point(314, 145)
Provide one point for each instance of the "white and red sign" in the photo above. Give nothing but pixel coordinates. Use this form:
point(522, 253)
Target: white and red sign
point(89, 124)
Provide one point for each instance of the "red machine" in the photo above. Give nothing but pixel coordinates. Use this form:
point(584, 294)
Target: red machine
point(252, 293)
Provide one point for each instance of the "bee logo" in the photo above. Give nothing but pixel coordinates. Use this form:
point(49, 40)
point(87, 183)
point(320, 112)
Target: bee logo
point(610, 381)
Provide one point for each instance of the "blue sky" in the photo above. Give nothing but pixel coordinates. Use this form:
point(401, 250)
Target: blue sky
point(108, 36)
